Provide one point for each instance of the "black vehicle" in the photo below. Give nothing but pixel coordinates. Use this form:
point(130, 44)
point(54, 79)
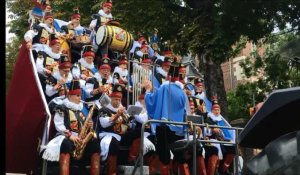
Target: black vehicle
point(275, 129)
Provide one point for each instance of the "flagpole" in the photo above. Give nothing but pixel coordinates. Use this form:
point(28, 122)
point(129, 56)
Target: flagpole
point(48, 119)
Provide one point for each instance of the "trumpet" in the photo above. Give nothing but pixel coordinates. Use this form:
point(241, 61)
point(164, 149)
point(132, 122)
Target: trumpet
point(126, 117)
point(122, 123)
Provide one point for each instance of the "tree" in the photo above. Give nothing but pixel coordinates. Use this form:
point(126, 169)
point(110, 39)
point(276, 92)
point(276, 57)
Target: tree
point(277, 63)
point(206, 28)
point(10, 57)
point(242, 98)
point(277, 71)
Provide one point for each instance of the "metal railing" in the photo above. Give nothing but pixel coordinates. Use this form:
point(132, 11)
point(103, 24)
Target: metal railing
point(140, 161)
point(138, 78)
point(45, 138)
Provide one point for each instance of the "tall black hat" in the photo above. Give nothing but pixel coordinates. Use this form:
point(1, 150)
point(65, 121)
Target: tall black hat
point(64, 62)
point(88, 50)
point(117, 91)
point(76, 13)
point(74, 88)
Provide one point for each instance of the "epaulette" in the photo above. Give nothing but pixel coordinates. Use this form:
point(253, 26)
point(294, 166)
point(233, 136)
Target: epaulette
point(95, 16)
point(105, 111)
point(36, 27)
point(91, 80)
point(76, 65)
point(137, 49)
point(65, 29)
point(51, 81)
point(61, 109)
point(116, 75)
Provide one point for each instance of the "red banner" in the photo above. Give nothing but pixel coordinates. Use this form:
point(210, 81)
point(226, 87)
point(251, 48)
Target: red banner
point(25, 118)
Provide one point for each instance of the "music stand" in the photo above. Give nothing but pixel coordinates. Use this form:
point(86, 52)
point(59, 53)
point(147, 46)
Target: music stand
point(134, 110)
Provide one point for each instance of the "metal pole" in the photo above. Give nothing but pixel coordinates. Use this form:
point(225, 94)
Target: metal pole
point(142, 148)
point(236, 158)
point(128, 81)
point(194, 151)
point(141, 158)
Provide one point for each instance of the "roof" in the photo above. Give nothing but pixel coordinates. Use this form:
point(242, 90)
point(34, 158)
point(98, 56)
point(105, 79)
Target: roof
point(191, 68)
point(279, 115)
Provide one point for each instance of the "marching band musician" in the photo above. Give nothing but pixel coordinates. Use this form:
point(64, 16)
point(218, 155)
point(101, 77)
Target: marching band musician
point(199, 93)
point(54, 49)
point(135, 51)
point(221, 151)
point(170, 103)
point(182, 74)
point(199, 88)
point(74, 24)
point(47, 61)
point(100, 83)
point(69, 119)
point(104, 16)
point(37, 37)
point(143, 69)
point(162, 72)
point(78, 36)
point(45, 65)
point(35, 16)
point(85, 63)
point(60, 79)
point(120, 72)
point(200, 166)
point(149, 148)
point(111, 130)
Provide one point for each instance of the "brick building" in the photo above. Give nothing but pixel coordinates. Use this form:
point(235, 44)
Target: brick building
point(233, 72)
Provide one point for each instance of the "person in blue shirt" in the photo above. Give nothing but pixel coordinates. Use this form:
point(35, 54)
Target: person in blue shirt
point(155, 38)
point(169, 103)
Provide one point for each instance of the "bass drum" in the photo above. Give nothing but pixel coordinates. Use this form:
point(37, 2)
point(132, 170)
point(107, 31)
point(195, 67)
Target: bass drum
point(115, 37)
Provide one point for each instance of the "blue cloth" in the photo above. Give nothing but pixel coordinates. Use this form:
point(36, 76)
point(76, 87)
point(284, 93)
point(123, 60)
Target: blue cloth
point(208, 104)
point(37, 11)
point(167, 103)
point(94, 70)
point(58, 24)
point(84, 94)
point(85, 111)
point(190, 86)
point(79, 31)
point(150, 52)
point(156, 83)
point(228, 133)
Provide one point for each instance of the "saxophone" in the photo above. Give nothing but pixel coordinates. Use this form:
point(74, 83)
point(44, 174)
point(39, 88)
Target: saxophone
point(86, 134)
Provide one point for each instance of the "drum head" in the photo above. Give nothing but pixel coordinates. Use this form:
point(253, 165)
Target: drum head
point(100, 36)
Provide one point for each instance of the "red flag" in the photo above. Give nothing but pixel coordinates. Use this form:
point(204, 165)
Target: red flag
point(25, 117)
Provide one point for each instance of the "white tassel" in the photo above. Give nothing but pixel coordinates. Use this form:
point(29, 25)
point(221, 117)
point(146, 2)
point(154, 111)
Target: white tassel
point(52, 150)
point(148, 146)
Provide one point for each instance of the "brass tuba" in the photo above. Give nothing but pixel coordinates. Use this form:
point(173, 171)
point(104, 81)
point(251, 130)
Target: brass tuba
point(86, 134)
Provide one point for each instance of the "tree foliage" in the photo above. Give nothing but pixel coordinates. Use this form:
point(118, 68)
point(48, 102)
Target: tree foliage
point(277, 64)
point(10, 59)
point(242, 98)
point(207, 28)
point(276, 68)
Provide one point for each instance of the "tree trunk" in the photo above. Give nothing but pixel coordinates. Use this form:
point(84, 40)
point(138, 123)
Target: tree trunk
point(214, 83)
